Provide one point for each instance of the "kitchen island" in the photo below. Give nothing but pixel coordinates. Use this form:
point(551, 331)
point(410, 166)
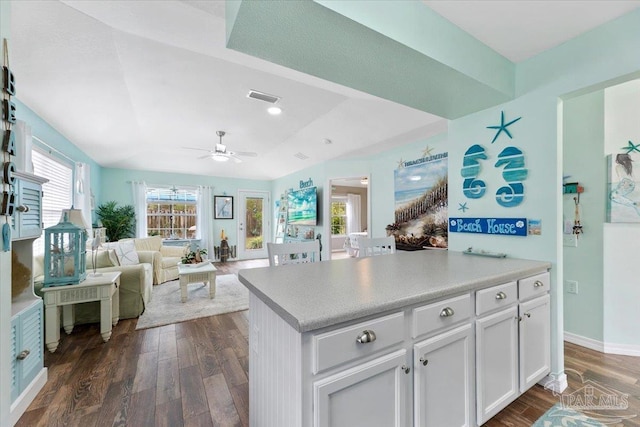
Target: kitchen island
point(345, 342)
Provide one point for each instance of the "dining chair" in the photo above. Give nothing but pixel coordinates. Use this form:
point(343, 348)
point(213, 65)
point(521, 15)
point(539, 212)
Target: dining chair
point(376, 246)
point(293, 253)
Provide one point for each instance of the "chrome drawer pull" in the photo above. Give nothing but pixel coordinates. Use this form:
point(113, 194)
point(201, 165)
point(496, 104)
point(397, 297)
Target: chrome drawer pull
point(405, 369)
point(23, 208)
point(501, 295)
point(447, 312)
point(424, 361)
point(367, 336)
point(23, 355)
point(538, 284)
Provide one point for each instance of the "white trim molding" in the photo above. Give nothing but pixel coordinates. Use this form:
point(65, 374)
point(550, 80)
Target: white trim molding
point(603, 347)
point(557, 383)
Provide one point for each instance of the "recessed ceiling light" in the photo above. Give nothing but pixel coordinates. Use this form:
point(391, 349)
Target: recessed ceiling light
point(274, 111)
point(415, 177)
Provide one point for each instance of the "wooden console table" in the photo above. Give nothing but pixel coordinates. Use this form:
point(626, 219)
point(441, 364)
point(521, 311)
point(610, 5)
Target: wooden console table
point(102, 288)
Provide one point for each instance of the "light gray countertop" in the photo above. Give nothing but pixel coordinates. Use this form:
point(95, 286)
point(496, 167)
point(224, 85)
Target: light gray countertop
point(316, 295)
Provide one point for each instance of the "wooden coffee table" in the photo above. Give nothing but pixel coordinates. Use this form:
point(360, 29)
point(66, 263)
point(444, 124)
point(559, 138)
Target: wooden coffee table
point(201, 273)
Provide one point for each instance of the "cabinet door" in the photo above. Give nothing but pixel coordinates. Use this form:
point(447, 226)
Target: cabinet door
point(442, 379)
point(31, 340)
point(497, 362)
point(535, 352)
point(371, 395)
point(27, 218)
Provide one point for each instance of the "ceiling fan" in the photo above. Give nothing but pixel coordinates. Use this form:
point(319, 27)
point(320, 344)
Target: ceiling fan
point(220, 152)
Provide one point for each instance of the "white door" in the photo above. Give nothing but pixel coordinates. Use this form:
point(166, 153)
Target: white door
point(442, 372)
point(535, 338)
point(496, 362)
point(253, 224)
point(370, 395)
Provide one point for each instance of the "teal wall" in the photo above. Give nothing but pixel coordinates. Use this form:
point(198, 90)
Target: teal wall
point(584, 161)
point(116, 185)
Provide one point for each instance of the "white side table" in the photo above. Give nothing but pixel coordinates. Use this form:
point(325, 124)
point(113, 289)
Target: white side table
point(205, 273)
point(102, 288)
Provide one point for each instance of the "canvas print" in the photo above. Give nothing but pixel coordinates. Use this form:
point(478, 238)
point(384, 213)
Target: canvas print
point(624, 191)
point(421, 204)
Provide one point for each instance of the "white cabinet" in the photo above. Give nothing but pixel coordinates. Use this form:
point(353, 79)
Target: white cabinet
point(496, 361)
point(369, 395)
point(513, 344)
point(443, 379)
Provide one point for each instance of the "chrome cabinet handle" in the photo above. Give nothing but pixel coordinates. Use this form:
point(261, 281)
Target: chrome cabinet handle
point(538, 284)
point(405, 369)
point(367, 336)
point(23, 354)
point(424, 361)
point(528, 314)
point(501, 295)
point(447, 312)
point(23, 208)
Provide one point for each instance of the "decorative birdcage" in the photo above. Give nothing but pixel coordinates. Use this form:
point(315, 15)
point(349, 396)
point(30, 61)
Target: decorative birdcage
point(65, 254)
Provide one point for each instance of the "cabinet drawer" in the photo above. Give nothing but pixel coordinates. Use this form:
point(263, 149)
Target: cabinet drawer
point(496, 297)
point(439, 315)
point(533, 286)
point(340, 346)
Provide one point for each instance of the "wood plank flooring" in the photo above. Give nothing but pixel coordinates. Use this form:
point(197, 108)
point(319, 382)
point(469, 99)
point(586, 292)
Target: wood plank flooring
point(195, 373)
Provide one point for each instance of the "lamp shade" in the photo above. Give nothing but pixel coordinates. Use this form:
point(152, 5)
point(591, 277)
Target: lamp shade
point(75, 217)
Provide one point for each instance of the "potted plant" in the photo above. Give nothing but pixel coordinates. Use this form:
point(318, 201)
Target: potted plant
point(194, 257)
point(119, 221)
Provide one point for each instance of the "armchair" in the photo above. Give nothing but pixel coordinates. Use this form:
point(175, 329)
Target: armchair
point(165, 259)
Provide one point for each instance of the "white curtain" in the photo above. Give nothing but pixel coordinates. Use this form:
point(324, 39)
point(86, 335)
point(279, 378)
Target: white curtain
point(353, 213)
point(82, 191)
point(140, 207)
point(204, 224)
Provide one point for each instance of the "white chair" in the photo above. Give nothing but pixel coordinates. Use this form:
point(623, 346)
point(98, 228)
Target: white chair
point(293, 253)
point(376, 246)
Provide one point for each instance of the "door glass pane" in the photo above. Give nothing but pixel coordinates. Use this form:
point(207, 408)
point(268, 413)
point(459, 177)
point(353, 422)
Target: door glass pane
point(253, 237)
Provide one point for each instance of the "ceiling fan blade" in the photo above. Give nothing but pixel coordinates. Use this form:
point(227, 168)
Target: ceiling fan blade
point(194, 148)
point(233, 155)
point(206, 156)
point(246, 153)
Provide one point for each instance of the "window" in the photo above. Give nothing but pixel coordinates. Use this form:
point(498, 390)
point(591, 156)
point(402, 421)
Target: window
point(58, 193)
point(338, 216)
point(171, 213)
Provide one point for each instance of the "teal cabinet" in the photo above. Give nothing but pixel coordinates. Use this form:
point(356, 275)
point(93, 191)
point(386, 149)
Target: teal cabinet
point(27, 217)
point(27, 347)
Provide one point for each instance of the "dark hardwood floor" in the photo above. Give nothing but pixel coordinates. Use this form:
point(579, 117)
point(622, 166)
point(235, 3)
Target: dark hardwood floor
point(195, 373)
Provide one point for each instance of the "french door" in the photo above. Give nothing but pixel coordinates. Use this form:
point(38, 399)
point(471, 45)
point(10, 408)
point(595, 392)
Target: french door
point(253, 224)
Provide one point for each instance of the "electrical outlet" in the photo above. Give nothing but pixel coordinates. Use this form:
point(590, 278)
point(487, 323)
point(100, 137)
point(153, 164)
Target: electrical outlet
point(570, 240)
point(571, 286)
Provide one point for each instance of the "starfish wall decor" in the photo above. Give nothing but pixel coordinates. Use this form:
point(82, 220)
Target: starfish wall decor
point(502, 127)
point(632, 147)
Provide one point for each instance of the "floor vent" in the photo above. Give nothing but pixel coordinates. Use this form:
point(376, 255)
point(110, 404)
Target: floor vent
point(272, 99)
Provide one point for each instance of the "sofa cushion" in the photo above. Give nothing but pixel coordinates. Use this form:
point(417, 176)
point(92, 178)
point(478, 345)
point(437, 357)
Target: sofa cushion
point(153, 243)
point(126, 251)
point(103, 259)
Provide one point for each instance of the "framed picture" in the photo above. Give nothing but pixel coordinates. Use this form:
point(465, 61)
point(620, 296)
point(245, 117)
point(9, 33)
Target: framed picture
point(223, 207)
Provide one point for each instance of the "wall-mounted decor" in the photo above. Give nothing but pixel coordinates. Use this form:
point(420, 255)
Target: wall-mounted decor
point(502, 127)
point(223, 207)
point(624, 194)
point(499, 226)
point(421, 203)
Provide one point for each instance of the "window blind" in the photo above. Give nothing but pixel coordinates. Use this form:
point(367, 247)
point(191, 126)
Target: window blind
point(58, 192)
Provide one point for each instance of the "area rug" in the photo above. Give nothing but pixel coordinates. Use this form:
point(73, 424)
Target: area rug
point(165, 306)
point(562, 417)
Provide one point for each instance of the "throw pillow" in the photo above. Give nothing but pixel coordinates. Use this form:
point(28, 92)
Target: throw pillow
point(103, 259)
point(127, 254)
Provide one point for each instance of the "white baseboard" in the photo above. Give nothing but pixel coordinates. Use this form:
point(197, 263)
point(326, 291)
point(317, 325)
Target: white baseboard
point(584, 342)
point(603, 347)
point(28, 395)
point(555, 382)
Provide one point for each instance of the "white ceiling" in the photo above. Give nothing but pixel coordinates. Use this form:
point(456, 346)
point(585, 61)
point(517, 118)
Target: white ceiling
point(133, 83)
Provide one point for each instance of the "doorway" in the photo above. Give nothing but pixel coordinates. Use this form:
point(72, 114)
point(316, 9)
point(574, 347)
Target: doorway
point(348, 214)
point(253, 224)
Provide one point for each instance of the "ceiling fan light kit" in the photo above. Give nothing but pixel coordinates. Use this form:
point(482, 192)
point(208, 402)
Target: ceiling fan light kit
point(220, 152)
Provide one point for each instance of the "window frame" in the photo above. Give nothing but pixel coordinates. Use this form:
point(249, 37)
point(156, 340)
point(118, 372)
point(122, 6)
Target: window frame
point(342, 200)
point(176, 221)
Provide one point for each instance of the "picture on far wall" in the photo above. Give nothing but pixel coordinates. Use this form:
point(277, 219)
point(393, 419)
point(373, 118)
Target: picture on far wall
point(223, 207)
point(623, 189)
point(421, 204)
